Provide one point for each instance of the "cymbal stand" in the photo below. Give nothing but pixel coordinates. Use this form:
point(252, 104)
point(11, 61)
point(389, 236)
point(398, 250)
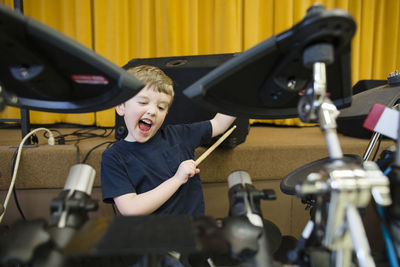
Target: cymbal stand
point(371, 145)
point(345, 186)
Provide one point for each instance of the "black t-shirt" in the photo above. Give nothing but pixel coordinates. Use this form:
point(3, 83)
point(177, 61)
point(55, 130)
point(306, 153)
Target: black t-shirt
point(132, 167)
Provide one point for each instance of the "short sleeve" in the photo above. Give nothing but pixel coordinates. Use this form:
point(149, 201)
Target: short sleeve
point(195, 134)
point(114, 177)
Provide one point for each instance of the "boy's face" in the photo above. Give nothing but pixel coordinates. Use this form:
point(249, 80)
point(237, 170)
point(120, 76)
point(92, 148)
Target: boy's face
point(144, 114)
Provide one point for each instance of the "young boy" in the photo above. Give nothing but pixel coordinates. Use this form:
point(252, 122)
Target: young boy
point(152, 170)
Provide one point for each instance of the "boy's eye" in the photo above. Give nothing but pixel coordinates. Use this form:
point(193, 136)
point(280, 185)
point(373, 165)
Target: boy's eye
point(161, 107)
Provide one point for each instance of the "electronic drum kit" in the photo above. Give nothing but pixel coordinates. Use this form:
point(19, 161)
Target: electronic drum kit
point(303, 72)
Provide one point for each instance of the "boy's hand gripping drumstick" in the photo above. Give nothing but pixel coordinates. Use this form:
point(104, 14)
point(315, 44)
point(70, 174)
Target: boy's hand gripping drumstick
point(214, 146)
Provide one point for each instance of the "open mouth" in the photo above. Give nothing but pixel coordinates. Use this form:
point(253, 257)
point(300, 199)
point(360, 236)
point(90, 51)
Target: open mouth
point(145, 125)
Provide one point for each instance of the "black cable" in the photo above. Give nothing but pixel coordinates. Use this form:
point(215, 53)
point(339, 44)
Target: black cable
point(85, 133)
point(77, 152)
point(385, 224)
point(107, 135)
point(14, 190)
point(377, 148)
point(17, 204)
point(110, 145)
point(397, 155)
point(58, 139)
point(93, 148)
point(114, 209)
point(54, 130)
point(61, 139)
point(80, 134)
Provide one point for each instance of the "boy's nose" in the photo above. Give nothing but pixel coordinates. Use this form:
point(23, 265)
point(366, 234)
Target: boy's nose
point(152, 110)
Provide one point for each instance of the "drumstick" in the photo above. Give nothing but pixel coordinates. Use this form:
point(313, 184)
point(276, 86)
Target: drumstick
point(214, 146)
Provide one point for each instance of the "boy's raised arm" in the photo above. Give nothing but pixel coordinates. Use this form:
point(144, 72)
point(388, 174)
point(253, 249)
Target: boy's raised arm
point(220, 123)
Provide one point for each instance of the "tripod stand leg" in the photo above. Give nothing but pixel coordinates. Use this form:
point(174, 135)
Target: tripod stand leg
point(342, 258)
point(359, 237)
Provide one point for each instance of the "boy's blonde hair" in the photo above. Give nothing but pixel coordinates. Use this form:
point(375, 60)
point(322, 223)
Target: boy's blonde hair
point(155, 78)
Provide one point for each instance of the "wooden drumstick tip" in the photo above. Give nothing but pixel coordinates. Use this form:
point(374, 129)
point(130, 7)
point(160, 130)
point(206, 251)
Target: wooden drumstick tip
point(215, 145)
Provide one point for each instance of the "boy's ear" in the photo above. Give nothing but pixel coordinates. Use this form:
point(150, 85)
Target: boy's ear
point(120, 109)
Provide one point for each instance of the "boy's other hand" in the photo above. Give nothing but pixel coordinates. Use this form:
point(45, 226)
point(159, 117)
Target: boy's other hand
point(186, 170)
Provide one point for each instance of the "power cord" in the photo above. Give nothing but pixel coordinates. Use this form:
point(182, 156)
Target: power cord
point(14, 189)
point(386, 233)
point(93, 148)
point(14, 176)
point(18, 205)
point(377, 148)
point(80, 134)
point(77, 152)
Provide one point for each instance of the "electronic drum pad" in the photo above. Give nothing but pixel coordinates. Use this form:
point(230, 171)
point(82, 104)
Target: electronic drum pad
point(266, 81)
point(42, 69)
point(299, 175)
point(351, 119)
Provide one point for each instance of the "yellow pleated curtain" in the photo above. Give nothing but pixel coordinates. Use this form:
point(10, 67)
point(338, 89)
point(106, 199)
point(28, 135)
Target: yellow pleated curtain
point(121, 30)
